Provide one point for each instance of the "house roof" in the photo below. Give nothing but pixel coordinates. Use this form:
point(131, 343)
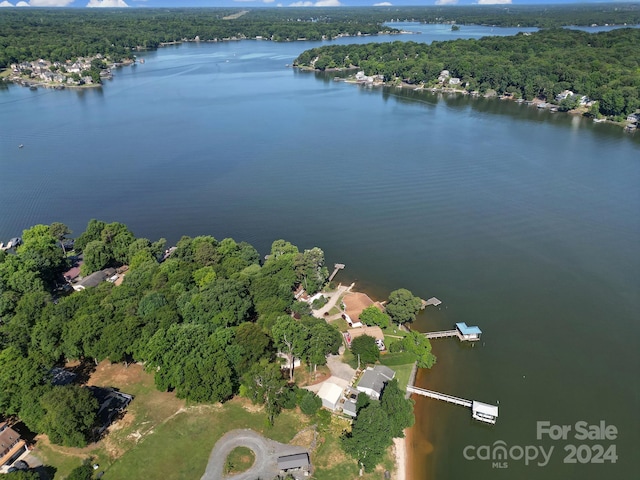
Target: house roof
point(466, 330)
point(375, 378)
point(375, 332)
point(485, 408)
point(330, 392)
point(298, 460)
point(349, 408)
point(355, 303)
point(61, 377)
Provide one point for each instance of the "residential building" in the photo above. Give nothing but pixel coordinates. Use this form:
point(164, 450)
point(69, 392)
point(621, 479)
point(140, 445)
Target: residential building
point(374, 379)
point(12, 447)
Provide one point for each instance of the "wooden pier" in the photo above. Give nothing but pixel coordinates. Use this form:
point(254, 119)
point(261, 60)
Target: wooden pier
point(442, 334)
point(337, 267)
point(482, 412)
point(462, 331)
point(432, 301)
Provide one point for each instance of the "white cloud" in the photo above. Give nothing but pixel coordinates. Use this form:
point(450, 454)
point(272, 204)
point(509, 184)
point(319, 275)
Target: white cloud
point(47, 3)
point(494, 2)
point(446, 2)
point(106, 4)
point(6, 4)
point(22, 4)
point(318, 3)
point(383, 4)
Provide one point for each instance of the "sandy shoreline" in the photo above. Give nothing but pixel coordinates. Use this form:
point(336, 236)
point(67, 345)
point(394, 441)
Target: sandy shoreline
point(400, 447)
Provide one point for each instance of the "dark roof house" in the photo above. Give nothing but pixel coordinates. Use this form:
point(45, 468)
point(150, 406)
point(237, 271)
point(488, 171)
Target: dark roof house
point(298, 461)
point(95, 279)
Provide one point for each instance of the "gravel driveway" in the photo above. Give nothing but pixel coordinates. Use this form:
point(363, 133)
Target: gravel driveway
point(266, 452)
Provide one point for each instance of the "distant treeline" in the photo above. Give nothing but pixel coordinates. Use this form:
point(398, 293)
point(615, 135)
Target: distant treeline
point(603, 66)
point(58, 35)
point(542, 16)
point(65, 34)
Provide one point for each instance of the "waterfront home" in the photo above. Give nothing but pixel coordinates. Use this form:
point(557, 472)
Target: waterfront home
point(374, 379)
point(375, 332)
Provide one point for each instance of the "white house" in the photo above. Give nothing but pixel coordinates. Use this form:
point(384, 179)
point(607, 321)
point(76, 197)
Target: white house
point(374, 379)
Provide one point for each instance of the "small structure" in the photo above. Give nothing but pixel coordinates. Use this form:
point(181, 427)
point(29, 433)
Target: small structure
point(374, 379)
point(330, 394)
point(61, 377)
point(112, 402)
point(375, 332)
point(468, 333)
point(350, 401)
point(432, 301)
point(484, 412)
point(12, 446)
point(297, 461)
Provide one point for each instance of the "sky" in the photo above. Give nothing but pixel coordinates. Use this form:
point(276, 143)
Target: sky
point(272, 3)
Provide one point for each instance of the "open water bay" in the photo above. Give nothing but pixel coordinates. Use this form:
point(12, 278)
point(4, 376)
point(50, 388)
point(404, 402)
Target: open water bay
point(523, 222)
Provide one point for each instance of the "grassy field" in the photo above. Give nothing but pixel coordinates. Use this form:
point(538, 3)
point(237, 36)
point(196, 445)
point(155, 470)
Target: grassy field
point(161, 436)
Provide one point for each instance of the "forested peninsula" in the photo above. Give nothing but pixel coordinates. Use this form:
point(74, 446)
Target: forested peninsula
point(561, 66)
point(208, 319)
point(58, 35)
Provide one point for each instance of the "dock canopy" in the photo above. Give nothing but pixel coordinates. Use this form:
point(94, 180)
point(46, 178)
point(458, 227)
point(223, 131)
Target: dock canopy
point(484, 412)
point(468, 333)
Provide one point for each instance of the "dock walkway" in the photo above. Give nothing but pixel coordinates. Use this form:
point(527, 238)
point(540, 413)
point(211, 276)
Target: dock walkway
point(440, 396)
point(482, 412)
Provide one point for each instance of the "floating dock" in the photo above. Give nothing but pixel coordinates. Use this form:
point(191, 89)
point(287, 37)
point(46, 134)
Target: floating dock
point(480, 411)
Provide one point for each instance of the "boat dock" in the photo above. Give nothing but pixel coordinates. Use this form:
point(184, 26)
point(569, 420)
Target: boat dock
point(480, 411)
point(462, 331)
point(337, 268)
point(432, 301)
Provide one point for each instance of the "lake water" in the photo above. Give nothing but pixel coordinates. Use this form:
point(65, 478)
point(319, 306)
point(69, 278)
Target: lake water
point(523, 222)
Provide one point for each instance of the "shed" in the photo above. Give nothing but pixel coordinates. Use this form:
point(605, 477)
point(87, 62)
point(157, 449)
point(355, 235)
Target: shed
point(294, 462)
point(330, 394)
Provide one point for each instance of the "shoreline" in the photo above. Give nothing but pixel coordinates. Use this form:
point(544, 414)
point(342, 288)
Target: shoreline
point(537, 102)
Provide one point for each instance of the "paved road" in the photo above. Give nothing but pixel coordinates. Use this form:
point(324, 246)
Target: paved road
point(266, 452)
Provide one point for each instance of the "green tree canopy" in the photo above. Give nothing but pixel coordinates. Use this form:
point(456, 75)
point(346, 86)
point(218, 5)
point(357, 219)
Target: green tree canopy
point(403, 306)
point(369, 436)
point(374, 316)
point(365, 347)
point(69, 415)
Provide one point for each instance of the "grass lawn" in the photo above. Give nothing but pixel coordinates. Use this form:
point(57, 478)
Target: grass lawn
point(161, 436)
point(341, 324)
point(330, 462)
point(239, 460)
